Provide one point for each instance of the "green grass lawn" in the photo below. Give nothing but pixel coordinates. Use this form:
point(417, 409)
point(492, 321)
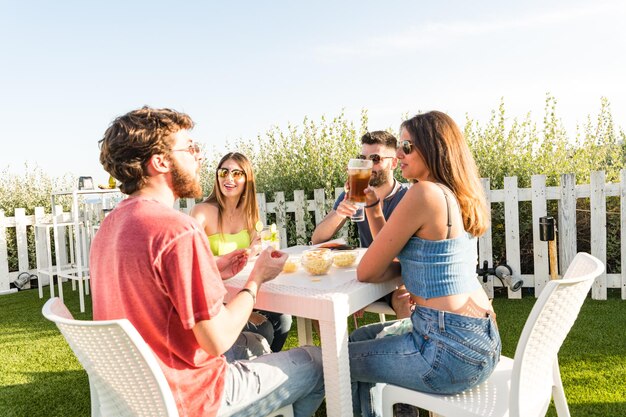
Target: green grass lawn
point(39, 375)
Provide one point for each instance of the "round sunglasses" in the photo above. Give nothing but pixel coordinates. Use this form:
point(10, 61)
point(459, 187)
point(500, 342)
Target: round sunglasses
point(193, 149)
point(375, 158)
point(235, 173)
point(406, 146)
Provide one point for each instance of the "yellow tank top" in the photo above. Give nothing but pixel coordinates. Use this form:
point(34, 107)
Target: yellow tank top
point(221, 244)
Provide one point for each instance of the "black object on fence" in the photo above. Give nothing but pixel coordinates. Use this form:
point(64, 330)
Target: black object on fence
point(503, 272)
point(547, 233)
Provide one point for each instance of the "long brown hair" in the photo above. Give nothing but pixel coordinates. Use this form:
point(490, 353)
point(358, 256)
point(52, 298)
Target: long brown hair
point(247, 199)
point(449, 160)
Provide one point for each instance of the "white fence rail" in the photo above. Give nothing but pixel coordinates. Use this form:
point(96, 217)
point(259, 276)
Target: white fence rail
point(567, 194)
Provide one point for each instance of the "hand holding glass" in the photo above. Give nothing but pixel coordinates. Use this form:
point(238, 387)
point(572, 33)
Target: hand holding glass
point(359, 173)
point(269, 237)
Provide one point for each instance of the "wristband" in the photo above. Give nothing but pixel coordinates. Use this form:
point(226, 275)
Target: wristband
point(375, 203)
point(249, 291)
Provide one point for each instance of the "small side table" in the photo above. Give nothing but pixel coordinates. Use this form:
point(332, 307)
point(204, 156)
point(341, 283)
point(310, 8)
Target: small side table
point(48, 269)
point(79, 270)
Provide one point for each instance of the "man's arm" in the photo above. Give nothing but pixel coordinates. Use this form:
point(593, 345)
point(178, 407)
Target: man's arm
point(230, 264)
point(218, 334)
point(328, 227)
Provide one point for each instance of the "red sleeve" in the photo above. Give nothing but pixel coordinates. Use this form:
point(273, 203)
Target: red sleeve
point(190, 276)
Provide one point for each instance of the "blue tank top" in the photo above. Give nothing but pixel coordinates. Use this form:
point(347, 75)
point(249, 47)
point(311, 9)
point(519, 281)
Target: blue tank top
point(437, 268)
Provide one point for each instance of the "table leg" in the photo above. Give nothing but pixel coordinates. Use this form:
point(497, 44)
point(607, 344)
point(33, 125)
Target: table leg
point(78, 247)
point(334, 338)
point(57, 252)
point(305, 331)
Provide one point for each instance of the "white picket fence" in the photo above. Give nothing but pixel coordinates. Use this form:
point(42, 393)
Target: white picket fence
point(567, 193)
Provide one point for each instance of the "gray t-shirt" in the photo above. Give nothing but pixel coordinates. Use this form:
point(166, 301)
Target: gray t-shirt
point(389, 203)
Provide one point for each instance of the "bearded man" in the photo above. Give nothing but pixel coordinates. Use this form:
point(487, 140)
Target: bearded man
point(153, 265)
point(380, 148)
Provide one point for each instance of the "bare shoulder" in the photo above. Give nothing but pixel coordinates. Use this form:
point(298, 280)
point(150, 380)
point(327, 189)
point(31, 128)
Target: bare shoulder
point(424, 192)
point(206, 214)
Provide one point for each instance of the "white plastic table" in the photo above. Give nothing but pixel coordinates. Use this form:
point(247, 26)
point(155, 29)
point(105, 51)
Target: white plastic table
point(331, 299)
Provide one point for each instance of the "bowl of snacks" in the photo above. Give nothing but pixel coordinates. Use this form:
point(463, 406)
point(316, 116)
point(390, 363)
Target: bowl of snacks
point(291, 265)
point(344, 258)
point(317, 261)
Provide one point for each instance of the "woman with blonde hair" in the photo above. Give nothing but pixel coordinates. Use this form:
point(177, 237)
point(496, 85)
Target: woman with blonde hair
point(451, 341)
point(228, 217)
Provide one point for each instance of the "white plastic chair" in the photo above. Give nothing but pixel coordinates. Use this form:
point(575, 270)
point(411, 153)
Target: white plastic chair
point(382, 309)
point(379, 307)
point(520, 387)
point(124, 376)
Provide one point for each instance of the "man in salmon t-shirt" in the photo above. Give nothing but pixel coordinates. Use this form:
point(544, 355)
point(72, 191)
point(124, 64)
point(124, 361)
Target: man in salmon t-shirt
point(153, 265)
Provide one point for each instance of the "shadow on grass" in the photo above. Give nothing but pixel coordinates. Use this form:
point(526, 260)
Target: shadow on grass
point(48, 393)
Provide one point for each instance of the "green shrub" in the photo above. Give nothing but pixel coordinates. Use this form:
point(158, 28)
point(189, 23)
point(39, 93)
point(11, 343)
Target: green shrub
point(524, 150)
point(314, 155)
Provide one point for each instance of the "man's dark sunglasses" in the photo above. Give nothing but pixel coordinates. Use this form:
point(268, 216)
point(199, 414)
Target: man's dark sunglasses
point(375, 158)
point(406, 146)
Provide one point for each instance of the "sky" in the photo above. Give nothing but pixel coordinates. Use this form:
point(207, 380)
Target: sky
point(68, 68)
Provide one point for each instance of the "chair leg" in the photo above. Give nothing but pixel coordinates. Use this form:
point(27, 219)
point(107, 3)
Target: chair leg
point(95, 400)
point(558, 394)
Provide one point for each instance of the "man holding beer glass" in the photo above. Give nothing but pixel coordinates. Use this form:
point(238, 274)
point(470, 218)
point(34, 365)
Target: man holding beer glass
point(379, 147)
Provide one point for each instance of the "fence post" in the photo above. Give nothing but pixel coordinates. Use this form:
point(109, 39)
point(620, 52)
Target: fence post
point(41, 248)
point(597, 201)
point(343, 233)
point(21, 239)
point(485, 243)
point(4, 256)
point(281, 217)
point(566, 227)
point(511, 229)
point(540, 249)
point(319, 197)
point(622, 217)
point(300, 204)
point(189, 203)
point(262, 203)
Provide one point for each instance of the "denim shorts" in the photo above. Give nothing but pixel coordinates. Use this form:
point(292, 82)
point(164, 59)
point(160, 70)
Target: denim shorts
point(445, 353)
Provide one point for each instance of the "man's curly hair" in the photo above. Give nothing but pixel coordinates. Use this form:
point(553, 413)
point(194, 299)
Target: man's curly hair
point(132, 139)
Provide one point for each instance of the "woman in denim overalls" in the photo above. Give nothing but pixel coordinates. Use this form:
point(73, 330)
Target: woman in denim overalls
point(451, 342)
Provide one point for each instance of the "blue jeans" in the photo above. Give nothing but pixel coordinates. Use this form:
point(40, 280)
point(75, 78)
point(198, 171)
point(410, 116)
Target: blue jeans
point(275, 329)
point(267, 383)
point(445, 353)
point(248, 345)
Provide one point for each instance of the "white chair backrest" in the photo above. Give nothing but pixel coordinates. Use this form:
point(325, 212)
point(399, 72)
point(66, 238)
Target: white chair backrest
point(545, 330)
point(124, 376)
